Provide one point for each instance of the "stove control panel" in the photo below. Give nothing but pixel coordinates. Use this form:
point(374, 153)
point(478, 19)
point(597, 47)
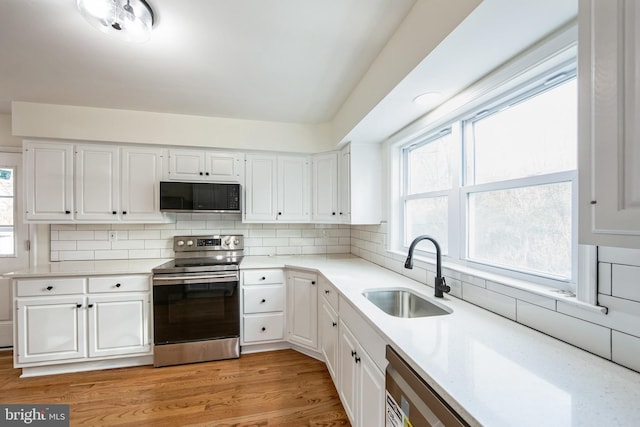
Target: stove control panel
point(208, 243)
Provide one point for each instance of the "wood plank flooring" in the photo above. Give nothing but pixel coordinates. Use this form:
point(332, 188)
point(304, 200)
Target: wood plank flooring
point(278, 388)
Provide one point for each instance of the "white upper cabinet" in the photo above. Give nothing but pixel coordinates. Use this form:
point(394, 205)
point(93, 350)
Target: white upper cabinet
point(277, 188)
point(609, 112)
point(294, 201)
point(199, 165)
point(141, 170)
point(325, 187)
point(92, 183)
point(48, 172)
point(347, 185)
point(97, 178)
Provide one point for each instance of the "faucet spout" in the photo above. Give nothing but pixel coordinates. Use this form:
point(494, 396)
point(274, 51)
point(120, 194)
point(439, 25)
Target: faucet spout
point(440, 285)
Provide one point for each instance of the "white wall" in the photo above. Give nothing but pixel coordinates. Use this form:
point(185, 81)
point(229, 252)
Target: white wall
point(7, 140)
point(614, 336)
point(126, 126)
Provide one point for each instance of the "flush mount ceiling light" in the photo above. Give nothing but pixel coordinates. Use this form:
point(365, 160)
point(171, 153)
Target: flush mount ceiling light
point(129, 20)
point(429, 99)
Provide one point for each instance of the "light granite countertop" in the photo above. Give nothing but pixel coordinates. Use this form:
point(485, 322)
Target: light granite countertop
point(493, 371)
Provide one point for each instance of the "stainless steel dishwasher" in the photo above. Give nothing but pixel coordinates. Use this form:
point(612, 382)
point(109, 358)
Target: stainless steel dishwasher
point(411, 401)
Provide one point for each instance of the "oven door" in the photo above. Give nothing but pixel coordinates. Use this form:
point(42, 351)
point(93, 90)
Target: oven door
point(188, 308)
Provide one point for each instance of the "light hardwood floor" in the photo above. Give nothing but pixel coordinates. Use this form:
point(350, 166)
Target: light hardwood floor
point(278, 388)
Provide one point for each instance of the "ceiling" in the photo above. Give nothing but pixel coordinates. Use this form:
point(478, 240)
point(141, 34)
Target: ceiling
point(293, 61)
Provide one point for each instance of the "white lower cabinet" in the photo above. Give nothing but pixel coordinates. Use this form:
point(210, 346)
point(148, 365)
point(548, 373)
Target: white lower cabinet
point(67, 320)
point(328, 320)
point(302, 309)
point(361, 383)
point(50, 328)
point(118, 324)
point(263, 302)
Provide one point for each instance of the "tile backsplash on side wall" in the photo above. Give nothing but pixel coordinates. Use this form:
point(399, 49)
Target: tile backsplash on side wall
point(614, 336)
point(75, 242)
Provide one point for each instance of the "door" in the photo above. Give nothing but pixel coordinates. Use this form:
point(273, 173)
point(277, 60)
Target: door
point(51, 328)
point(294, 200)
point(97, 183)
point(49, 181)
point(328, 320)
point(261, 188)
point(348, 373)
point(118, 324)
point(302, 310)
point(186, 165)
point(140, 188)
point(224, 167)
point(14, 238)
point(325, 187)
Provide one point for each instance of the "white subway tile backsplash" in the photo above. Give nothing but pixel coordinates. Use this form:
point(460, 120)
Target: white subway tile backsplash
point(588, 336)
point(113, 254)
point(63, 245)
point(625, 350)
point(492, 301)
point(604, 278)
point(540, 300)
point(127, 244)
point(625, 282)
point(75, 235)
point(76, 256)
point(619, 255)
point(144, 234)
point(90, 245)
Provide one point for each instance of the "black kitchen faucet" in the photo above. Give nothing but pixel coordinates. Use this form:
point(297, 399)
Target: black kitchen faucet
point(440, 285)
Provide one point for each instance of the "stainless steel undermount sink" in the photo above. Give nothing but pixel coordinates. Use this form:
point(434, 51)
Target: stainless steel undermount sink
point(404, 303)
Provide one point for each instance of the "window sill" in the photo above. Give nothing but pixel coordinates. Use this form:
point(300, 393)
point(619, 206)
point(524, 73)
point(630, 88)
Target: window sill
point(510, 286)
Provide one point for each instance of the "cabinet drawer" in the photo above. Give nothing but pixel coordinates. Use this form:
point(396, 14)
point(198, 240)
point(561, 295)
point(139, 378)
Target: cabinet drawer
point(328, 292)
point(260, 277)
point(263, 299)
point(265, 327)
point(57, 286)
point(119, 284)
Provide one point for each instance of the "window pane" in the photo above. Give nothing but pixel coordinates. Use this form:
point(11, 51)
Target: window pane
point(523, 228)
point(6, 241)
point(429, 166)
point(427, 216)
point(536, 136)
point(6, 211)
point(6, 182)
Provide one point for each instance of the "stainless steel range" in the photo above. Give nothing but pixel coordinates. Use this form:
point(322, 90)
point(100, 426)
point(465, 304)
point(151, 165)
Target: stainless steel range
point(196, 304)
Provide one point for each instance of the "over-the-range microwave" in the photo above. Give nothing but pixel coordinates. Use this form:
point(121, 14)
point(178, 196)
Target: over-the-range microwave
point(200, 197)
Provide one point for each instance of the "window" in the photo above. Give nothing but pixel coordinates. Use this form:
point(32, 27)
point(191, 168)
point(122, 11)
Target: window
point(7, 211)
point(497, 185)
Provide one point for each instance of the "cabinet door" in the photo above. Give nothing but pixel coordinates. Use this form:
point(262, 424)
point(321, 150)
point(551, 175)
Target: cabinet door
point(348, 373)
point(141, 173)
point(302, 309)
point(49, 181)
point(325, 187)
point(328, 321)
point(344, 185)
point(294, 198)
point(186, 165)
point(609, 113)
point(372, 396)
point(119, 324)
point(224, 167)
point(51, 328)
point(261, 189)
point(97, 183)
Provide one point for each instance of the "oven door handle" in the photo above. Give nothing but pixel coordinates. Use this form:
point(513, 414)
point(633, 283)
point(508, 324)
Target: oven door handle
point(177, 280)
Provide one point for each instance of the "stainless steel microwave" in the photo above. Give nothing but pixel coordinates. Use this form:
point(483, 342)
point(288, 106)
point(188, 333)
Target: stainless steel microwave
point(199, 197)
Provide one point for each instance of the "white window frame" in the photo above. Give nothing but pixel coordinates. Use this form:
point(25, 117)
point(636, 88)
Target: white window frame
point(555, 55)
